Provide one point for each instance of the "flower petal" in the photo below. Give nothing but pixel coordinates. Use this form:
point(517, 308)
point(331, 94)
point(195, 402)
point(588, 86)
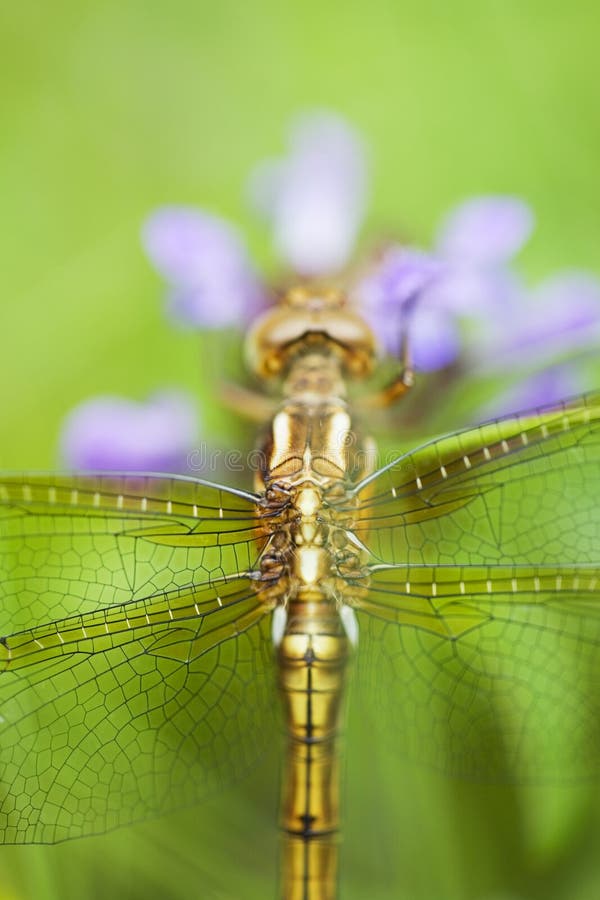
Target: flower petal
point(315, 197)
point(433, 338)
point(485, 230)
point(558, 318)
point(466, 290)
point(205, 262)
point(107, 433)
point(565, 306)
point(397, 277)
point(394, 285)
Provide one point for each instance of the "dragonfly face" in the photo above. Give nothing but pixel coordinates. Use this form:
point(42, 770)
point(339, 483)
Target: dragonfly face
point(139, 666)
point(306, 319)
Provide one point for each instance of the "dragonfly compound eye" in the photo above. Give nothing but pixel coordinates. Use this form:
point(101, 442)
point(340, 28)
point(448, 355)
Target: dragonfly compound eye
point(312, 319)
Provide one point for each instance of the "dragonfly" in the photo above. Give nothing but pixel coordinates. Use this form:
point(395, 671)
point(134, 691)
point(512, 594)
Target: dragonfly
point(158, 633)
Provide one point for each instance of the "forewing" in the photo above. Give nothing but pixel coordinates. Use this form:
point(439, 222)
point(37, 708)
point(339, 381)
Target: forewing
point(480, 634)
point(135, 665)
point(77, 544)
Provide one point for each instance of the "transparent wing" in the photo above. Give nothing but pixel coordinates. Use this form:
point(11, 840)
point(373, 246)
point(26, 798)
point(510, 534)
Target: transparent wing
point(480, 638)
point(135, 668)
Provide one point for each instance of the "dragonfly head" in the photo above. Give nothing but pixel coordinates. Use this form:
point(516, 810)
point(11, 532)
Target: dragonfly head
point(307, 319)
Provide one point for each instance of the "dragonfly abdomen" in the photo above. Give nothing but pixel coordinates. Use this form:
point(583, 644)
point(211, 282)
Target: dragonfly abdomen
point(313, 658)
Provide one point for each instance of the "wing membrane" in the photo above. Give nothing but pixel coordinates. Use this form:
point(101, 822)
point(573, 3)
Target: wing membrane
point(520, 489)
point(77, 544)
point(487, 689)
point(480, 638)
point(134, 657)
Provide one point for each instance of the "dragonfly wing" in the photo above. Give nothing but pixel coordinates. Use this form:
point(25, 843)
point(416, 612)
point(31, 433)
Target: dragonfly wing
point(503, 689)
point(81, 543)
point(519, 489)
point(135, 656)
point(483, 615)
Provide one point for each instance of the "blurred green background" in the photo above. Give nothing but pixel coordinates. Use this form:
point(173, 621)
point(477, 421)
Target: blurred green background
point(110, 109)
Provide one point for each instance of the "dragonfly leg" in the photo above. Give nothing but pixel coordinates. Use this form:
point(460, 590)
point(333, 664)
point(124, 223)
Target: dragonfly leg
point(248, 403)
point(391, 393)
point(397, 388)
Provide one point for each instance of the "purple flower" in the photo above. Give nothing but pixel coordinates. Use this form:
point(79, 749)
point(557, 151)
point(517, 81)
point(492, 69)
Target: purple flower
point(434, 338)
point(389, 300)
point(106, 433)
point(559, 316)
point(485, 231)
point(556, 321)
point(211, 281)
point(465, 276)
point(463, 298)
point(314, 198)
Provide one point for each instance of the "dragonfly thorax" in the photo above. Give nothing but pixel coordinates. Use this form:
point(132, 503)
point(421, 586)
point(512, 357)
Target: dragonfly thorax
point(311, 555)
